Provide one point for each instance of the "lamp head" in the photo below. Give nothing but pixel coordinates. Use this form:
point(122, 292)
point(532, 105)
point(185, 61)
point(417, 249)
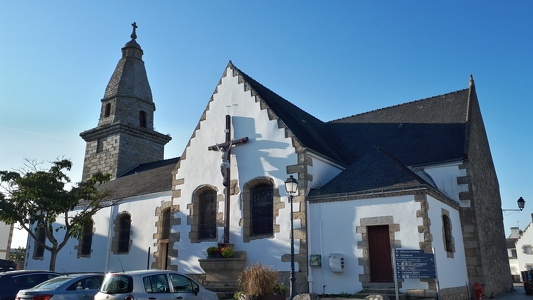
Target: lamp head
point(291, 185)
point(521, 203)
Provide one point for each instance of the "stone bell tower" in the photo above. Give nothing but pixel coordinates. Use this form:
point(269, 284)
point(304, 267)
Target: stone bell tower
point(125, 136)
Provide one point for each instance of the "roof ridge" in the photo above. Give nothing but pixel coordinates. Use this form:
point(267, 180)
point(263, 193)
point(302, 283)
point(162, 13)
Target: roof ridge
point(397, 105)
point(294, 118)
point(264, 86)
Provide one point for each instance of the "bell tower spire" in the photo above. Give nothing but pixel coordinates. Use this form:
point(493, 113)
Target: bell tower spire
point(124, 136)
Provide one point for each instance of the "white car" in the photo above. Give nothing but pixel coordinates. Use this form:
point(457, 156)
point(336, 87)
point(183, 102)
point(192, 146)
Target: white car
point(152, 285)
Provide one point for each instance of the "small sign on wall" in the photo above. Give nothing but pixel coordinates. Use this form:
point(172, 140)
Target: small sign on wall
point(336, 262)
point(315, 260)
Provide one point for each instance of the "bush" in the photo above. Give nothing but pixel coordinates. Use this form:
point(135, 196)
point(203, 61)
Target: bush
point(227, 252)
point(258, 280)
point(212, 251)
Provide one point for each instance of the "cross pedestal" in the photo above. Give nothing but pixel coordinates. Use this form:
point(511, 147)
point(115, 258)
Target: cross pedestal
point(221, 273)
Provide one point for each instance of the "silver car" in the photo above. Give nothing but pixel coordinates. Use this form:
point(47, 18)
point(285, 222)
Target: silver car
point(71, 287)
point(152, 285)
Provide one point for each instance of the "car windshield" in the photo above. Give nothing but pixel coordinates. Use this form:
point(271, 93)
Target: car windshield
point(117, 284)
point(51, 283)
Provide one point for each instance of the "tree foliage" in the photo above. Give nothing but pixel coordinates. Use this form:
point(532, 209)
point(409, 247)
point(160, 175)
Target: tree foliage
point(38, 198)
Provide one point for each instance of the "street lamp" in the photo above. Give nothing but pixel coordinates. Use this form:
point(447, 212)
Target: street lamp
point(291, 186)
point(521, 204)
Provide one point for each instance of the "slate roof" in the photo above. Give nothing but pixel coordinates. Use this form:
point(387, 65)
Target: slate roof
point(427, 131)
point(146, 178)
point(129, 78)
point(308, 130)
point(376, 171)
point(421, 132)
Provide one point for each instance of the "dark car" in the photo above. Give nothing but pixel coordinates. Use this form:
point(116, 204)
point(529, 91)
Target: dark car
point(68, 287)
point(13, 281)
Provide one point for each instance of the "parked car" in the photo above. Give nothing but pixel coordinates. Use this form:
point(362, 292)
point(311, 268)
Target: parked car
point(13, 281)
point(7, 265)
point(152, 284)
point(71, 287)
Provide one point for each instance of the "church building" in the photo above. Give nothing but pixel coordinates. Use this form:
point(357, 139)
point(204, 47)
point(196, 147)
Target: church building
point(415, 176)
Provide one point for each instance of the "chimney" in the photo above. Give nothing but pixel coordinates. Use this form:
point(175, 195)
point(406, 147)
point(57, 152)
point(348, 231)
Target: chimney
point(515, 233)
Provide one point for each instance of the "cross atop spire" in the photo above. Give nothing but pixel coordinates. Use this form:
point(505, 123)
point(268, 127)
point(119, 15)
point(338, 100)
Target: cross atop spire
point(133, 34)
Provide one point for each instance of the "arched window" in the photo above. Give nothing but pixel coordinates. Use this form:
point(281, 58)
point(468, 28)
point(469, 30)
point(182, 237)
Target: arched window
point(165, 227)
point(124, 233)
point(207, 214)
point(142, 119)
point(107, 111)
point(86, 240)
point(448, 239)
point(261, 209)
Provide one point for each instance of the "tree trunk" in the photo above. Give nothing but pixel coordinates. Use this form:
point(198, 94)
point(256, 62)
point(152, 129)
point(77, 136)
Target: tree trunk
point(53, 258)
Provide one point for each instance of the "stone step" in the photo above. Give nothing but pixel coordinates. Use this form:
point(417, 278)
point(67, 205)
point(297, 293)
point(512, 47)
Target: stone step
point(225, 295)
point(392, 296)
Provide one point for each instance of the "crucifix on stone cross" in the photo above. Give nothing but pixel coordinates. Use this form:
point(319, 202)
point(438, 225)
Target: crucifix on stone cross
point(225, 166)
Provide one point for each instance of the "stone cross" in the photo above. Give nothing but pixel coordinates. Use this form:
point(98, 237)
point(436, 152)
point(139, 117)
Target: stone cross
point(133, 34)
point(225, 166)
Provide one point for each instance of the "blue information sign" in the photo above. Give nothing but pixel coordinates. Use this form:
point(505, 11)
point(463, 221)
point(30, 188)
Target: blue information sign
point(414, 264)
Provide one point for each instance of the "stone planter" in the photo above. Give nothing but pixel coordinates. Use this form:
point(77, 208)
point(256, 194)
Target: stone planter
point(221, 273)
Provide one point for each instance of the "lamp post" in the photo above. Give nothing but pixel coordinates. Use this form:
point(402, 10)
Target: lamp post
point(291, 186)
point(521, 204)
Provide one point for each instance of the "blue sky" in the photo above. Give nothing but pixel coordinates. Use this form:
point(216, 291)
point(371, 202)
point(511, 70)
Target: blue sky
point(331, 58)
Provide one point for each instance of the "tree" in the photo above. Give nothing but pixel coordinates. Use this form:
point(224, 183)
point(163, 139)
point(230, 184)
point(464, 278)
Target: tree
point(17, 256)
point(36, 199)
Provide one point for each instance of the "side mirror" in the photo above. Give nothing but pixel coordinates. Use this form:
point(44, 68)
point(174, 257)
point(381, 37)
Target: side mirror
point(196, 290)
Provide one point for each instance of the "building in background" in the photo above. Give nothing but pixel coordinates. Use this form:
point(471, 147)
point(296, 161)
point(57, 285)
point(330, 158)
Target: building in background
point(513, 255)
point(6, 236)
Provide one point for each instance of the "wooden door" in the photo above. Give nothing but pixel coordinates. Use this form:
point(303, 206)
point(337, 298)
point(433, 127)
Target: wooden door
point(379, 252)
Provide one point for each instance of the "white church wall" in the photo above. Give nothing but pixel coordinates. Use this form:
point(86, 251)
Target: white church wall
point(102, 259)
point(266, 155)
point(334, 234)
point(322, 171)
point(335, 227)
point(445, 177)
point(451, 271)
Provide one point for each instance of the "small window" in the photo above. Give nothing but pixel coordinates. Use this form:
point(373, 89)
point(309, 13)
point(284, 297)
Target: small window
point(165, 228)
point(107, 112)
point(262, 208)
point(207, 205)
point(448, 239)
point(142, 119)
point(124, 234)
point(39, 246)
point(87, 239)
point(99, 145)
